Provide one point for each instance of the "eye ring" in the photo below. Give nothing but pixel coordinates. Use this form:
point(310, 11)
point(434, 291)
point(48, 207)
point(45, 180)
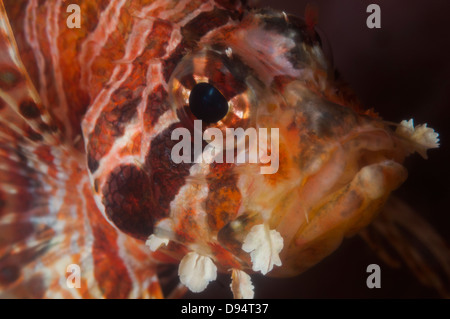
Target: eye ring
point(207, 103)
point(213, 70)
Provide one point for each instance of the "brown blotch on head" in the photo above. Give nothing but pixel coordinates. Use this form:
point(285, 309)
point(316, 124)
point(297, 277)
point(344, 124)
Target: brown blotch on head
point(29, 109)
point(127, 201)
point(167, 177)
point(157, 104)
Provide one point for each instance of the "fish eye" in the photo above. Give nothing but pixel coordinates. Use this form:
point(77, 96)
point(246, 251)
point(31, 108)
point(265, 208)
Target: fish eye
point(209, 86)
point(207, 103)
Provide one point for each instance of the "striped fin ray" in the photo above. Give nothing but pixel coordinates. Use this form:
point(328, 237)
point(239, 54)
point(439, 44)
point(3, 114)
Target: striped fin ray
point(400, 236)
point(48, 217)
point(23, 116)
point(27, 173)
point(49, 220)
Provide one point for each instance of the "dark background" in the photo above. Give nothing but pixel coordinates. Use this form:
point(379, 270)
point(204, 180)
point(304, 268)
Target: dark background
point(402, 71)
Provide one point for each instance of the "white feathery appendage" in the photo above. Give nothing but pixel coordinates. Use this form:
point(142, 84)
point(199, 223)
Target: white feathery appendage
point(241, 285)
point(264, 246)
point(421, 136)
point(154, 242)
point(196, 271)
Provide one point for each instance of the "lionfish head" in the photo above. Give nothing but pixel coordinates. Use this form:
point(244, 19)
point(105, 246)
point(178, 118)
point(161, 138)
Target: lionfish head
point(307, 165)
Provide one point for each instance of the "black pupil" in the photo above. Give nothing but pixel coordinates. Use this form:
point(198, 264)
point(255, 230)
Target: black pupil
point(207, 103)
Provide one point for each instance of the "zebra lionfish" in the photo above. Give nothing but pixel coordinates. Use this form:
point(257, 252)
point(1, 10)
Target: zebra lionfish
point(87, 117)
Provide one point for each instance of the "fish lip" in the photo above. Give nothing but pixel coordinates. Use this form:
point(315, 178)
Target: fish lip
point(382, 134)
point(374, 139)
point(305, 244)
point(367, 146)
point(333, 179)
point(362, 148)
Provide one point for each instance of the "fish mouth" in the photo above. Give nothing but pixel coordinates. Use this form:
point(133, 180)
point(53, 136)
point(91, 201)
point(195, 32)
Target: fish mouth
point(366, 147)
point(340, 198)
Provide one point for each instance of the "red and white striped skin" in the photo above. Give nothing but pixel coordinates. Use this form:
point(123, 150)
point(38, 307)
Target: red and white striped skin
point(87, 114)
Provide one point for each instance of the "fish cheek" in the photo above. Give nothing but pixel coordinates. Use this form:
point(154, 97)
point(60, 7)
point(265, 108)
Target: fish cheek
point(127, 200)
